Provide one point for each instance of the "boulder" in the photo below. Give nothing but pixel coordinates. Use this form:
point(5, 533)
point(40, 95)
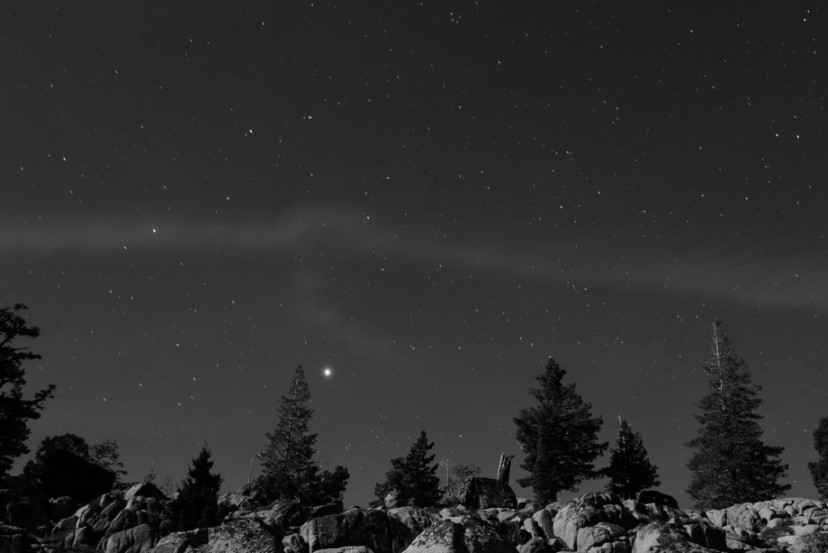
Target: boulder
point(292, 543)
point(657, 536)
point(806, 529)
point(331, 508)
point(178, 542)
point(809, 543)
point(744, 516)
point(718, 517)
point(64, 526)
point(598, 535)
point(61, 507)
point(406, 523)
point(481, 493)
point(135, 540)
point(536, 545)
point(393, 499)
point(534, 529)
point(353, 527)
point(84, 537)
point(467, 536)
point(572, 517)
point(143, 489)
point(278, 516)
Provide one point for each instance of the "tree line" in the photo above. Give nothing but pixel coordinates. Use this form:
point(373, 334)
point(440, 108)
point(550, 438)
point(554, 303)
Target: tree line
point(558, 434)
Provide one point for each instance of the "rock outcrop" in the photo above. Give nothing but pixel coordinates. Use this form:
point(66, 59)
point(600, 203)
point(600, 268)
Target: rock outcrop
point(132, 521)
point(482, 493)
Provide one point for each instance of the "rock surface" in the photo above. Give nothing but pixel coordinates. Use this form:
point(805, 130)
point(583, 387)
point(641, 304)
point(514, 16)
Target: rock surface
point(481, 493)
point(133, 521)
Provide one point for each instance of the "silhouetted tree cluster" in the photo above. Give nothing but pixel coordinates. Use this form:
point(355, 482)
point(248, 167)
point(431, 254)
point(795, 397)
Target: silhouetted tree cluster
point(104, 454)
point(559, 436)
point(731, 463)
point(15, 410)
point(819, 468)
point(196, 504)
point(413, 477)
point(289, 468)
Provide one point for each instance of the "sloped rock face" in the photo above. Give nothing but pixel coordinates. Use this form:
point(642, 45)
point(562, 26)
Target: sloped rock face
point(239, 536)
point(178, 542)
point(406, 523)
point(657, 536)
point(138, 539)
point(466, 535)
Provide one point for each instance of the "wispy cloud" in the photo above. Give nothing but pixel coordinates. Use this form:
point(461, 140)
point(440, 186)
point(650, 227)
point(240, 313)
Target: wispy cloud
point(732, 271)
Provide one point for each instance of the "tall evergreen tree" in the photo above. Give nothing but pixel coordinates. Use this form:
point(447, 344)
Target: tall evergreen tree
point(290, 449)
point(819, 468)
point(413, 477)
point(15, 411)
point(559, 437)
point(731, 463)
point(630, 469)
point(196, 505)
point(288, 466)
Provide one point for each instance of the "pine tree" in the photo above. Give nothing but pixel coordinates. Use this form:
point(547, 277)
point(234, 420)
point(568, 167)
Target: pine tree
point(731, 463)
point(288, 467)
point(290, 450)
point(559, 437)
point(819, 468)
point(630, 470)
point(15, 411)
point(413, 477)
point(196, 505)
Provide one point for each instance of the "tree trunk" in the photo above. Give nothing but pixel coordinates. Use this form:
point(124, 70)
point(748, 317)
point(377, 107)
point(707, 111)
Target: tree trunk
point(503, 467)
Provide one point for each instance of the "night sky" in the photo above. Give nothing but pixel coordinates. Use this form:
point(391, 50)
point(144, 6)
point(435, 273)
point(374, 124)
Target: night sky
point(428, 198)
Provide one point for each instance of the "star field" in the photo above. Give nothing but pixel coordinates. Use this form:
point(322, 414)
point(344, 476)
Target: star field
point(429, 198)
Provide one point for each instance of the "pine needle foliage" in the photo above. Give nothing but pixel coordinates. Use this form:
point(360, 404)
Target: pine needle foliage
point(196, 505)
point(289, 453)
point(413, 477)
point(559, 437)
point(15, 410)
point(630, 470)
point(819, 468)
point(731, 463)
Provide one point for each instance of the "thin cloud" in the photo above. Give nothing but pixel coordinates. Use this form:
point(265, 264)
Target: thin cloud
point(754, 276)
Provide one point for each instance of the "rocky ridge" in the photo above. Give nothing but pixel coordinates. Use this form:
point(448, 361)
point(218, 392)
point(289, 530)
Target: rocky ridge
point(132, 521)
